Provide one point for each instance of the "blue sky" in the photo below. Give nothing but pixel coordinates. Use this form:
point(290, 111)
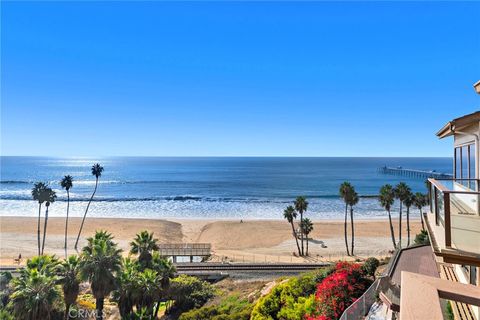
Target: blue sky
point(235, 79)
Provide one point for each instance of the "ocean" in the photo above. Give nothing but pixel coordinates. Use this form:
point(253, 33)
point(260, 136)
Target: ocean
point(205, 187)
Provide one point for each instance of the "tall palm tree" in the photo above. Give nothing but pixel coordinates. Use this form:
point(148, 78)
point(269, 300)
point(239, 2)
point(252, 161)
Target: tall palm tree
point(345, 191)
point(409, 201)
point(38, 194)
point(67, 183)
point(307, 227)
point(50, 197)
point(97, 170)
point(100, 261)
point(35, 295)
point(387, 198)
point(143, 245)
point(420, 201)
point(290, 214)
point(301, 205)
point(352, 201)
point(70, 281)
point(401, 193)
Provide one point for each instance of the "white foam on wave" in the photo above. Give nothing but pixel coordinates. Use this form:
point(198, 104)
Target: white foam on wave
point(318, 209)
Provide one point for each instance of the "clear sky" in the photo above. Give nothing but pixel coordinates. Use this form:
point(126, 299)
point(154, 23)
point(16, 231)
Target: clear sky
point(235, 79)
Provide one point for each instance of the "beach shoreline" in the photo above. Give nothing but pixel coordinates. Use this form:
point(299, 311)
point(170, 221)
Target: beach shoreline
point(260, 240)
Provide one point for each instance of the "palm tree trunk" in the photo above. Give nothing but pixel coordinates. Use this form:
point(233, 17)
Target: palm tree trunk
point(392, 232)
point(99, 304)
point(66, 221)
point(38, 226)
point(408, 226)
point(296, 239)
point(353, 231)
point(45, 229)
point(85, 214)
point(421, 219)
point(400, 227)
point(301, 229)
point(345, 228)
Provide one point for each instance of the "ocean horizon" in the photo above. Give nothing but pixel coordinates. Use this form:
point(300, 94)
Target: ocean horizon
point(206, 187)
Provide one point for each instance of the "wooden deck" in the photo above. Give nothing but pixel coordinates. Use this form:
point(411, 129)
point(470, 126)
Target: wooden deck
point(461, 311)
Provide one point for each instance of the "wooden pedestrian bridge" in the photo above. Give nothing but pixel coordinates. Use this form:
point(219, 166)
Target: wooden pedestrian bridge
point(414, 173)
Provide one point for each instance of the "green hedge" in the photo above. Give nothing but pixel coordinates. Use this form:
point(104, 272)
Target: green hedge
point(289, 300)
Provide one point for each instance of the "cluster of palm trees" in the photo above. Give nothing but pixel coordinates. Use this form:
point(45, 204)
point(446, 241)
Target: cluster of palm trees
point(137, 284)
point(388, 194)
point(42, 193)
point(299, 207)
point(403, 193)
point(350, 198)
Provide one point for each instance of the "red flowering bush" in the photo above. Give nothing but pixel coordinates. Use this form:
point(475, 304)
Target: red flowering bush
point(337, 291)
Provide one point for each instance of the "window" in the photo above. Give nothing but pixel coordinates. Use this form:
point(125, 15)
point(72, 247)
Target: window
point(464, 155)
point(458, 162)
point(465, 165)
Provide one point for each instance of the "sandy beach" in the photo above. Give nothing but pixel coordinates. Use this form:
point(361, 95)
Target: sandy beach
point(252, 240)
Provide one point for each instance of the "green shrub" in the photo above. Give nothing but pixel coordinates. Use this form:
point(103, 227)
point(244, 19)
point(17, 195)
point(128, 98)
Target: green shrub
point(289, 300)
point(231, 308)
point(370, 266)
point(190, 292)
point(422, 238)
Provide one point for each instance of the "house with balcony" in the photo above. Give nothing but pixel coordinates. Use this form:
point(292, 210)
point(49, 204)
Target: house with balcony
point(453, 218)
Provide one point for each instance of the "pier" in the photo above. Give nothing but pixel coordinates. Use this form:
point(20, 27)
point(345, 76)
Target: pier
point(414, 173)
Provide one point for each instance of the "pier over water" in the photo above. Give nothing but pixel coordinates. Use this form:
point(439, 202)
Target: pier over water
point(414, 173)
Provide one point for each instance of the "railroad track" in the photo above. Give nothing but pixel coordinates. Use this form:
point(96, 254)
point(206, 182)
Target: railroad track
point(187, 267)
point(225, 267)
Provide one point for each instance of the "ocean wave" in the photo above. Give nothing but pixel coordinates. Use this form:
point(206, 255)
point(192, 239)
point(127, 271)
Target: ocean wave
point(23, 196)
point(15, 182)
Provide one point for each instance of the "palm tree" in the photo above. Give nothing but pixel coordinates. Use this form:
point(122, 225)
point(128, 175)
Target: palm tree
point(100, 261)
point(352, 201)
point(150, 289)
point(420, 201)
point(345, 191)
point(290, 214)
point(97, 170)
point(35, 295)
point(38, 194)
point(50, 197)
point(166, 270)
point(67, 183)
point(301, 205)
point(143, 245)
point(307, 227)
point(387, 198)
point(409, 201)
point(127, 287)
point(70, 281)
point(401, 193)
point(46, 264)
